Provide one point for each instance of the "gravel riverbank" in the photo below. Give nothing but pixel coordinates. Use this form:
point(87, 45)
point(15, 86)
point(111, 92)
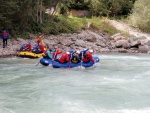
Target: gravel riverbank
point(99, 42)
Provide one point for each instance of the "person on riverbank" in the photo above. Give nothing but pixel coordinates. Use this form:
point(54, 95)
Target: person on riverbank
point(5, 36)
point(40, 43)
point(88, 57)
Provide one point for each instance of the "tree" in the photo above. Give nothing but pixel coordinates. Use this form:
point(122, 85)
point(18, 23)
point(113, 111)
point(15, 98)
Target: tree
point(101, 7)
point(140, 16)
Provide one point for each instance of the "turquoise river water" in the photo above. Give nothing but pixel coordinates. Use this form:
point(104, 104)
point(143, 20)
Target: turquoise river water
point(120, 83)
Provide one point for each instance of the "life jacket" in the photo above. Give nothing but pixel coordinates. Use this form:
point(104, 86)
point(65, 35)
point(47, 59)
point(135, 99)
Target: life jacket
point(56, 53)
point(88, 57)
point(21, 48)
point(75, 59)
point(40, 42)
point(28, 47)
point(5, 35)
point(64, 58)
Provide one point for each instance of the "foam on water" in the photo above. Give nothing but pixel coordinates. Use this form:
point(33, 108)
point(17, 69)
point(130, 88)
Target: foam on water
point(118, 84)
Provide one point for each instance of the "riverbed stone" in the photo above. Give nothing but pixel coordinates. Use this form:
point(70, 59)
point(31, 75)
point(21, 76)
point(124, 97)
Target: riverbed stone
point(121, 43)
point(144, 49)
point(99, 42)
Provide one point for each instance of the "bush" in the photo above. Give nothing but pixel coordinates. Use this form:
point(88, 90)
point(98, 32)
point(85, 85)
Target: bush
point(140, 16)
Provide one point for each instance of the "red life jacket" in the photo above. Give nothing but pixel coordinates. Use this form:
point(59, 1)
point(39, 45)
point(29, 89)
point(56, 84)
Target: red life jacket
point(28, 47)
point(64, 58)
point(88, 57)
point(4, 35)
point(56, 53)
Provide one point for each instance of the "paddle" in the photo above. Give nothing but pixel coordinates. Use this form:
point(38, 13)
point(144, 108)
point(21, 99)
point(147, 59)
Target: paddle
point(81, 60)
point(37, 63)
point(69, 66)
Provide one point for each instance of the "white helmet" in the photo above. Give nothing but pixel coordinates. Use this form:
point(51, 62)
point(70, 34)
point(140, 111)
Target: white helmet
point(78, 52)
point(91, 50)
point(67, 52)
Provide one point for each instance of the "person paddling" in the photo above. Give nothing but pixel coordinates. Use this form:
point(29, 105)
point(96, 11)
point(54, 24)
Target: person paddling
point(75, 57)
point(40, 43)
point(36, 49)
point(55, 53)
point(48, 54)
point(28, 46)
point(65, 58)
point(88, 57)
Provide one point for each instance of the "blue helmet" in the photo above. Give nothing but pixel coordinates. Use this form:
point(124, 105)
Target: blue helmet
point(29, 42)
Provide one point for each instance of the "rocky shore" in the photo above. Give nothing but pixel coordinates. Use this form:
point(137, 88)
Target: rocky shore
point(99, 42)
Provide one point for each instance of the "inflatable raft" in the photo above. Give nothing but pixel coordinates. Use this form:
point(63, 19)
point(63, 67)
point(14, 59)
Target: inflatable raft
point(27, 54)
point(55, 64)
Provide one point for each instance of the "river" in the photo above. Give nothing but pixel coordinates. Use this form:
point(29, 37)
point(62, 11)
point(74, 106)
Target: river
point(120, 83)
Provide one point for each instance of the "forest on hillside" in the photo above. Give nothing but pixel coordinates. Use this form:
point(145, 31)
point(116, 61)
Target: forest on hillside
point(22, 16)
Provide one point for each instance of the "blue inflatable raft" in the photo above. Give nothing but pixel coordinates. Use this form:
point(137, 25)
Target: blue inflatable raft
point(55, 64)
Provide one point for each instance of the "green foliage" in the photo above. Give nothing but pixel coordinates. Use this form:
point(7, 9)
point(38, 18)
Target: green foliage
point(140, 17)
point(63, 9)
point(19, 16)
point(102, 25)
point(101, 7)
point(22, 16)
point(77, 4)
point(64, 24)
point(59, 24)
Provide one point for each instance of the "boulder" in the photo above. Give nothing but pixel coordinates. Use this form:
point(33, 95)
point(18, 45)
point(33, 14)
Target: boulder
point(99, 43)
point(80, 43)
point(104, 50)
point(135, 43)
point(121, 43)
point(122, 50)
point(144, 49)
point(90, 38)
point(49, 42)
point(21, 41)
point(148, 42)
point(115, 35)
point(119, 38)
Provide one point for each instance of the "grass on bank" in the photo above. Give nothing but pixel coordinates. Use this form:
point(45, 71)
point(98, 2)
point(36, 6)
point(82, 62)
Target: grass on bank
point(69, 24)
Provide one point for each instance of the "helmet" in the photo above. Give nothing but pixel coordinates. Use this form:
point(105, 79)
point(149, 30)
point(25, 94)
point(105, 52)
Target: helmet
point(78, 52)
point(29, 42)
point(91, 50)
point(67, 53)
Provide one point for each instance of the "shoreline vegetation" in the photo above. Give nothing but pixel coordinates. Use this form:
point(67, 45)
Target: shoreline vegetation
point(77, 24)
point(98, 40)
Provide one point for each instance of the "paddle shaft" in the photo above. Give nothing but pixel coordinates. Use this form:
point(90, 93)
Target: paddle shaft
point(37, 63)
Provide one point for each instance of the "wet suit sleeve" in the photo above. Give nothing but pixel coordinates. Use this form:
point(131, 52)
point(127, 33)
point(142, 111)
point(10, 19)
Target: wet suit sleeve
point(49, 54)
